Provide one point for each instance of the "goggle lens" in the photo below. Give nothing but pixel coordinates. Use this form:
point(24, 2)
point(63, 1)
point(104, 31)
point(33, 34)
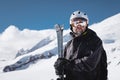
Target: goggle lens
point(82, 23)
point(79, 21)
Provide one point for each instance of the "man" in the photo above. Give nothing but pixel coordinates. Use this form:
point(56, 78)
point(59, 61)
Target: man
point(84, 55)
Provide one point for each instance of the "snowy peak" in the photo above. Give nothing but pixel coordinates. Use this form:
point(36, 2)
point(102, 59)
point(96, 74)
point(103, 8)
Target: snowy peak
point(108, 28)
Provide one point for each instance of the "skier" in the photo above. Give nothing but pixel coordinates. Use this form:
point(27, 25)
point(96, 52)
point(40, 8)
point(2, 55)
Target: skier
point(84, 55)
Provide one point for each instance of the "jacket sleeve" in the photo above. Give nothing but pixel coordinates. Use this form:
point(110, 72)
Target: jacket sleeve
point(88, 63)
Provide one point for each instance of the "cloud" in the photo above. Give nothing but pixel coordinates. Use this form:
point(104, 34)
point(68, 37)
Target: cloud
point(13, 39)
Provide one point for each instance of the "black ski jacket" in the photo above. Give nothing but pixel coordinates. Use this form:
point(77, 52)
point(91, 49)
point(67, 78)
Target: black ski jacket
point(90, 61)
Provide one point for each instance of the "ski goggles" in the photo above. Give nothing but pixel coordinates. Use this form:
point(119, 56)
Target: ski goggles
point(79, 21)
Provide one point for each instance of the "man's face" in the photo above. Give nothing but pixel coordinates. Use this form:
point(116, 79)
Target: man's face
point(79, 25)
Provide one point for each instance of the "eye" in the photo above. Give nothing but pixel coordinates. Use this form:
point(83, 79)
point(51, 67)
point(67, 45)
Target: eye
point(83, 23)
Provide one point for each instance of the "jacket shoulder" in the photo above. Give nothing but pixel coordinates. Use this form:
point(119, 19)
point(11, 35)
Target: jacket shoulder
point(93, 35)
point(93, 39)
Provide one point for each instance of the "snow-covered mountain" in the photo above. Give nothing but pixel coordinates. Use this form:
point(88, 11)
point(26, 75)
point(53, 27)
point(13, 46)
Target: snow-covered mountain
point(36, 50)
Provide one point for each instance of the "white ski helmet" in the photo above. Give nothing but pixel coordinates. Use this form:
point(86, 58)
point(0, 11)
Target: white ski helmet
point(78, 14)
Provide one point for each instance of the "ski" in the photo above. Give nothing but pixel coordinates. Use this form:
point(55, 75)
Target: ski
point(59, 31)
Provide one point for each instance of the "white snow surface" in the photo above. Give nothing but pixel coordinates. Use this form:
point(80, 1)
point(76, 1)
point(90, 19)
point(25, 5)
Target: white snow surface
point(39, 41)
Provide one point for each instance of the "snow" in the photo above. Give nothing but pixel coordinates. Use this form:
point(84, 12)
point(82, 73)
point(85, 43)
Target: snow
point(42, 70)
point(34, 42)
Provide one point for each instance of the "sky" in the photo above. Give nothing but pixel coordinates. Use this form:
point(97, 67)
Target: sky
point(44, 14)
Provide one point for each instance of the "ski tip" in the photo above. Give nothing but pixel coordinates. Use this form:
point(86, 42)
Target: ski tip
point(59, 27)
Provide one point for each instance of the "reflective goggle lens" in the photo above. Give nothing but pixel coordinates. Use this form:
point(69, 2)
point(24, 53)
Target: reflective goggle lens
point(79, 21)
point(82, 23)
